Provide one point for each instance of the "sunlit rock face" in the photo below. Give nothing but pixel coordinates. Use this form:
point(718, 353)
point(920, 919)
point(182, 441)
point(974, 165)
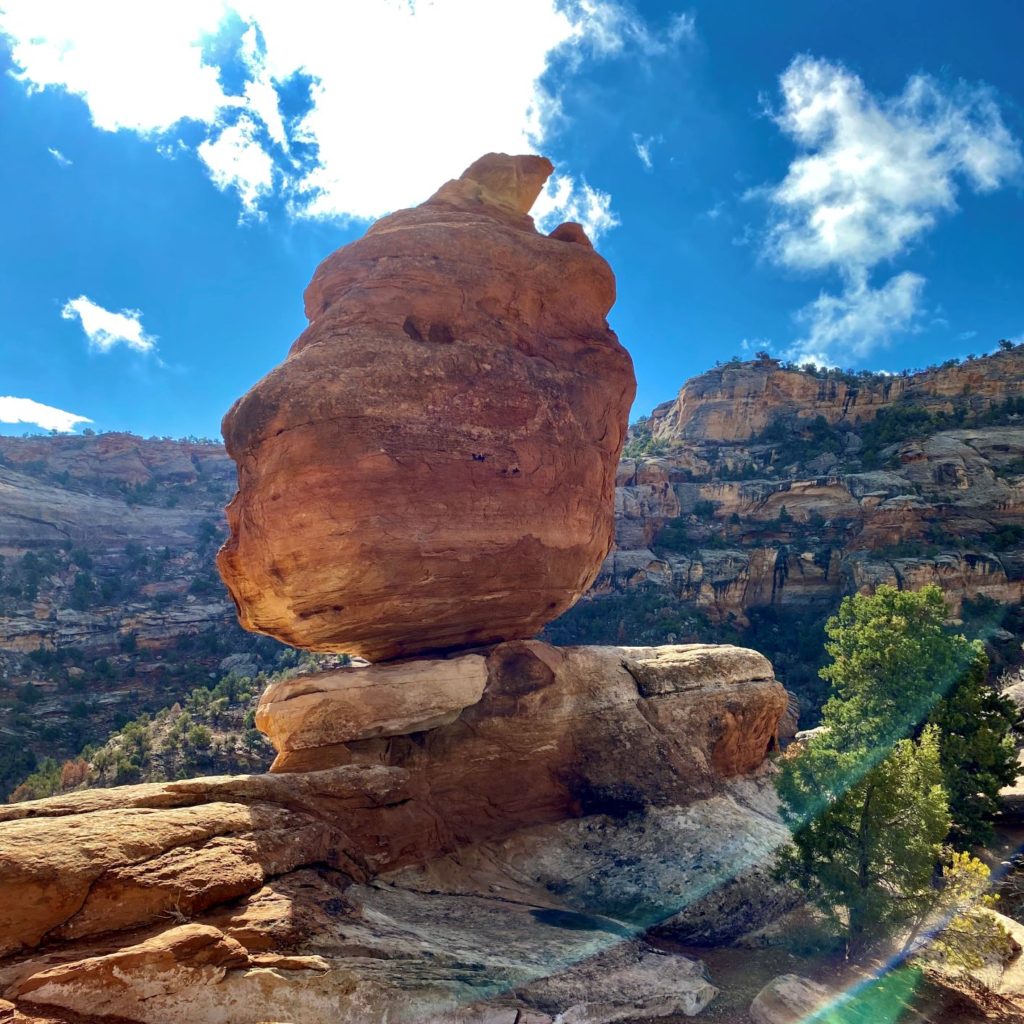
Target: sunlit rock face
point(433, 465)
point(484, 841)
point(735, 402)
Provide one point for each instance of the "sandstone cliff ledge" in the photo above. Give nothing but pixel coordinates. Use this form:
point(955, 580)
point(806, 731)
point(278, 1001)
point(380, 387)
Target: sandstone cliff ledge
point(466, 863)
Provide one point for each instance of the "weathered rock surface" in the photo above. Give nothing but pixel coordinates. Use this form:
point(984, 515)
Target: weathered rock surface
point(761, 522)
point(789, 999)
point(433, 465)
point(478, 937)
point(571, 727)
point(504, 863)
point(737, 401)
point(326, 708)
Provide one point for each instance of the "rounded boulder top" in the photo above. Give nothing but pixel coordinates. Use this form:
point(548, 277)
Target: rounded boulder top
point(432, 466)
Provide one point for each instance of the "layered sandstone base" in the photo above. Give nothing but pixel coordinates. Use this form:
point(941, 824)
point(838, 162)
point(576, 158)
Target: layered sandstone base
point(494, 835)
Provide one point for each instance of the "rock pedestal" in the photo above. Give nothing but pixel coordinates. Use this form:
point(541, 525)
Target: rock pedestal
point(541, 732)
point(492, 836)
point(432, 467)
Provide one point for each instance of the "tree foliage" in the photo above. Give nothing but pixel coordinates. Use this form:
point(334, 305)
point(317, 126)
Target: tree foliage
point(914, 750)
point(865, 842)
point(977, 726)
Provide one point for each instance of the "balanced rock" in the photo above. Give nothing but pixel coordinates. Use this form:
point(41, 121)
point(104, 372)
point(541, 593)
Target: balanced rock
point(433, 465)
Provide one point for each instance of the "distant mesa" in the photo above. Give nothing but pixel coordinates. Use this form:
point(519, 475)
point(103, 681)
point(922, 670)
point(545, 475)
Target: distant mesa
point(433, 465)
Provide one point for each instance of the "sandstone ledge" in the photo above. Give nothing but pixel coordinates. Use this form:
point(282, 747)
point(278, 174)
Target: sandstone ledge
point(467, 872)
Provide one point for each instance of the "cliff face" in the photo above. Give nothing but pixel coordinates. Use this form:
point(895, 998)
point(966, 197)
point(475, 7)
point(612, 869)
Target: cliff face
point(109, 602)
point(764, 486)
point(948, 511)
point(737, 401)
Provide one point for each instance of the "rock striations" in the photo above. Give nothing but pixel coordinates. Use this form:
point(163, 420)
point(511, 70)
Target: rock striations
point(433, 464)
point(737, 400)
point(767, 486)
point(501, 866)
point(483, 835)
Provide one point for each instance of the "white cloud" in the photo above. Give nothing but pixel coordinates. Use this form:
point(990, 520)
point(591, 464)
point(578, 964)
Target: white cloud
point(643, 148)
point(402, 94)
point(610, 28)
point(59, 157)
point(235, 159)
point(24, 410)
point(136, 65)
point(565, 200)
point(875, 173)
point(872, 175)
point(851, 325)
point(105, 328)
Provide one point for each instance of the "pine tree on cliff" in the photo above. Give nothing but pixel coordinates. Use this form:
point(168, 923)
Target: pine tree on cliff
point(915, 747)
point(895, 667)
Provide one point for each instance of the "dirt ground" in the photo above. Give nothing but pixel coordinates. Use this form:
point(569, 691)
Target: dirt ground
point(902, 996)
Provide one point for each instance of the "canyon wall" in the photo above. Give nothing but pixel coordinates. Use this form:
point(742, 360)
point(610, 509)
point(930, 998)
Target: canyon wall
point(756, 488)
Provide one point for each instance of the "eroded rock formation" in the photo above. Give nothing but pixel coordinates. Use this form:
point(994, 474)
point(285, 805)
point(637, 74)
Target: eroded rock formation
point(498, 865)
point(799, 518)
point(432, 466)
point(737, 401)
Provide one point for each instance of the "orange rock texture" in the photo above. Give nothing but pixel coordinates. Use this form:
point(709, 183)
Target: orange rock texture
point(433, 465)
point(735, 402)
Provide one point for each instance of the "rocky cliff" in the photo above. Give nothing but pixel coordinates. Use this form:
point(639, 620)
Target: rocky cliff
point(109, 602)
point(748, 507)
point(499, 865)
point(752, 540)
point(738, 400)
point(485, 831)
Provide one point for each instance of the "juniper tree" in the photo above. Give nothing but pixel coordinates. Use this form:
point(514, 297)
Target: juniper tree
point(865, 842)
point(915, 748)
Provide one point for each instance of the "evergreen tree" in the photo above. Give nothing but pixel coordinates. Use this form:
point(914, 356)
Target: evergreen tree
point(895, 667)
point(865, 847)
point(915, 748)
point(977, 728)
point(892, 661)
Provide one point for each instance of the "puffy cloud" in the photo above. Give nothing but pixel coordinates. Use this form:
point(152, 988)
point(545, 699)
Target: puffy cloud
point(25, 410)
point(235, 159)
point(875, 173)
point(565, 200)
point(344, 110)
point(872, 175)
point(854, 323)
point(105, 328)
point(137, 66)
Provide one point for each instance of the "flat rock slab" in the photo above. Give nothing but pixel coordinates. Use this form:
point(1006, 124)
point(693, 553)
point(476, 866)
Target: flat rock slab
point(527, 929)
point(375, 700)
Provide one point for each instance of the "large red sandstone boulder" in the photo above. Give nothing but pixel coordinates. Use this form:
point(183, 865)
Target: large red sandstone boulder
point(433, 465)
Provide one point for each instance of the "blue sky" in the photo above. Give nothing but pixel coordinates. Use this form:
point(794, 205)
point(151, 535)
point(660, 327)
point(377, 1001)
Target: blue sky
point(836, 181)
